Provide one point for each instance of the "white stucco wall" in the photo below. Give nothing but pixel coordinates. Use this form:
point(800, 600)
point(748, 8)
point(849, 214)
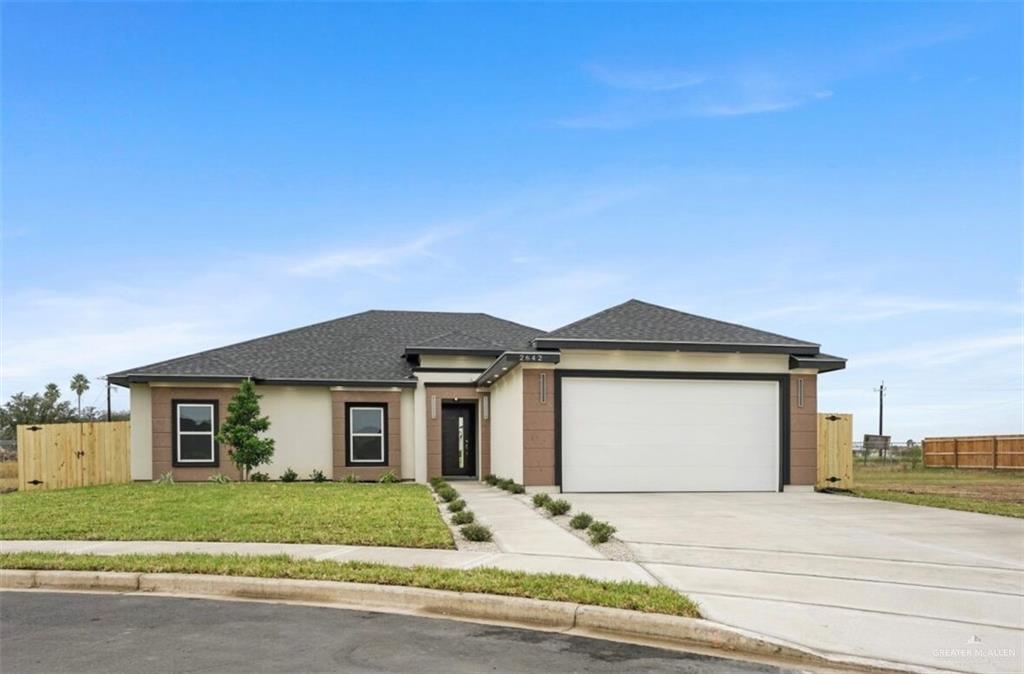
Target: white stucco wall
point(300, 423)
point(481, 362)
point(408, 434)
point(141, 407)
point(682, 361)
point(507, 426)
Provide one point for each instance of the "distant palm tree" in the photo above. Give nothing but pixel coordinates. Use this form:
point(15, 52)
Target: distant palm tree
point(79, 384)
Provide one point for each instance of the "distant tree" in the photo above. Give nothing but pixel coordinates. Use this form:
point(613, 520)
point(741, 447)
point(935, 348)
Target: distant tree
point(38, 408)
point(79, 384)
point(242, 428)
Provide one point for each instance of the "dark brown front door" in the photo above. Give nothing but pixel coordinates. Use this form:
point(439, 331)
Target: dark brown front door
point(458, 439)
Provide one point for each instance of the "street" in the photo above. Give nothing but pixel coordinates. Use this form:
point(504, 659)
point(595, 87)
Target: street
point(71, 632)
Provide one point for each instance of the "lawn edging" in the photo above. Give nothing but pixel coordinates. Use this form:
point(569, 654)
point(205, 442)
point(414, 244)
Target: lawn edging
point(649, 628)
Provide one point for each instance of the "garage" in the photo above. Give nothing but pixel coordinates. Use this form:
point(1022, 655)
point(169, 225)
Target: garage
point(667, 434)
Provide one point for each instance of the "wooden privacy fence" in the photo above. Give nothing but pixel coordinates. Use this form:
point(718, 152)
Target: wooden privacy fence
point(835, 451)
point(984, 451)
point(57, 456)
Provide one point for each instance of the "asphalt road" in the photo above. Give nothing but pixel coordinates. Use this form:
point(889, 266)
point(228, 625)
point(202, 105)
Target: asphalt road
point(68, 632)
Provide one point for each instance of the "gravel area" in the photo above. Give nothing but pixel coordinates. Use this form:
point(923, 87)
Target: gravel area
point(460, 542)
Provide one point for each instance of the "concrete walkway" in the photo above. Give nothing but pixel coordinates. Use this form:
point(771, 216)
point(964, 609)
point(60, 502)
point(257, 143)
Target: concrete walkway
point(601, 568)
point(519, 528)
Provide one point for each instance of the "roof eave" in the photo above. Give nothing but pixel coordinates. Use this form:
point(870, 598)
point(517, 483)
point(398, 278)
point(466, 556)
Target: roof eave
point(509, 360)
point(450, 351)
point(820, 362)
point(128, 379)
point(807, 349)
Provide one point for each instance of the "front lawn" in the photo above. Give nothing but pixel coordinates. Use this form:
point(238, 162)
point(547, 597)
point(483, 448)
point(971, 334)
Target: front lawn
point(550, 586)
point(402, 515)
point(995, 492)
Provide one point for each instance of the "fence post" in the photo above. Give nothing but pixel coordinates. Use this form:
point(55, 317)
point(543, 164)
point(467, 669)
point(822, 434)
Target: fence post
point(995, 452)
point(956, 453)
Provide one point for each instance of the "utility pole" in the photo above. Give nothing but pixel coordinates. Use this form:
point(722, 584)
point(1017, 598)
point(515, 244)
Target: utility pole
point(881, 407)
point(108, 400)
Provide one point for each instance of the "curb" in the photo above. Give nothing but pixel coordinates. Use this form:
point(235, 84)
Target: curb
point(648, 628)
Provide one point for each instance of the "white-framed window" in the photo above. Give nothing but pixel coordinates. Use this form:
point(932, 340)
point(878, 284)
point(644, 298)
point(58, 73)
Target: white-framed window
point(195, 430)
point(367, 434)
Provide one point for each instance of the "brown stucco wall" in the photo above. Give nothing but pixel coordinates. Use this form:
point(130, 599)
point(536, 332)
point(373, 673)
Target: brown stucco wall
point(163, 428)
point(803, 430)
point(451, 392)
point(538, 429)
point(339, 431)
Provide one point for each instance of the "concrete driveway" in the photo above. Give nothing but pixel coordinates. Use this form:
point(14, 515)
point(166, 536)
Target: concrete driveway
point(908, 584)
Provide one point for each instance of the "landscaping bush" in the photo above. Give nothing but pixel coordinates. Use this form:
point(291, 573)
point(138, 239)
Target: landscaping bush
point(388, 478)
point(351, 478)
point(219, 478)
point(600, 532)
point(476, 532)
point(581, 521)
point(318, 476)
point(559, 507)
point(166, 478)
point(463, 517)
point(447, 494)
point(456, 505)
point(540, 500)
point(491, 479)
point(289, 475)
point(436, 482)
point(259, 477)
point(517, 488)
point(506, 484)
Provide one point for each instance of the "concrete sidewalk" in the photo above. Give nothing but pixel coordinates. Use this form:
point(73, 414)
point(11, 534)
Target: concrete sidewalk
point(519, 528)
point(600, 568)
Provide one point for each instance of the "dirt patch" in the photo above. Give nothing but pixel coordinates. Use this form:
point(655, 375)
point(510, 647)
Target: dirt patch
point(1006, 493)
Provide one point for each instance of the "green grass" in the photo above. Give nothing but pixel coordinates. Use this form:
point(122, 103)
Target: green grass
point(550, 586)
point(994, 492)
point(973, 505)
point(401, 515)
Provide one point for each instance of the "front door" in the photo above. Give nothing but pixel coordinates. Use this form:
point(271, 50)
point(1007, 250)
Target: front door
point(458, 439)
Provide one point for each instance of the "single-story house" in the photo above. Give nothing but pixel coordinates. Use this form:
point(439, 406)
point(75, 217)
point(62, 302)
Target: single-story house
point(637, 397)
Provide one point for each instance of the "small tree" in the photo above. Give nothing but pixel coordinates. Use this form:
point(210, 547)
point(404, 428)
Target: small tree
point(79, 384)
point(241, 430)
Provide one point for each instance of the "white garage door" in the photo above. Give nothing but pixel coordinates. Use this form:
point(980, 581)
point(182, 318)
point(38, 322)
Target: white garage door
point(669, 435)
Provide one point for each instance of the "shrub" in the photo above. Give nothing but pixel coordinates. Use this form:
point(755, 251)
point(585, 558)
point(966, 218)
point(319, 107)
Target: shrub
point(436, 482)
point(491, 479)
point(351, 478)
point(219, 478)
point(581, 521)
point(289, 475)
point(259, 477)
point(517, 488)
point(388, 478)
point(600, 532)
point(463, 517)
point(456, 505)
point(506, 484)
point(559, 507)
point(541, 499)
point(447, 494)
point(166, 478)
point(243, 430)
point(476, 532)
point(318, 476)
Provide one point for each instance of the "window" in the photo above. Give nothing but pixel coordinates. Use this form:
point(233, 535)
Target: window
point(367, 435)
point(195, 428)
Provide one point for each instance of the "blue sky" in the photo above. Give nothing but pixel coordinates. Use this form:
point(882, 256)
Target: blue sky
point(177, 177)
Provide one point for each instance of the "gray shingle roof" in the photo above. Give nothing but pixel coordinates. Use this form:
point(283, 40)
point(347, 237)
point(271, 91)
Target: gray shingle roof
point(637, 321)
point(362, 347)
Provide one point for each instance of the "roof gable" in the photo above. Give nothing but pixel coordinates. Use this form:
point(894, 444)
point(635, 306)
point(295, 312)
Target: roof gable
point(641, 323)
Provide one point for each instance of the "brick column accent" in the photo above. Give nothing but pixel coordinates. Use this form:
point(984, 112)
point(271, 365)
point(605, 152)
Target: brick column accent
point(539, 426)
point(803, 429)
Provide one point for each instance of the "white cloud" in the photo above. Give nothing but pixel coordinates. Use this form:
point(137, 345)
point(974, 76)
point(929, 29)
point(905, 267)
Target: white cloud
point(363, 257)
point(931, 354)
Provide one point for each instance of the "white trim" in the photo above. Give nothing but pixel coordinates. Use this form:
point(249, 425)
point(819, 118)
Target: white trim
point(352, 434)
point(212, 433)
